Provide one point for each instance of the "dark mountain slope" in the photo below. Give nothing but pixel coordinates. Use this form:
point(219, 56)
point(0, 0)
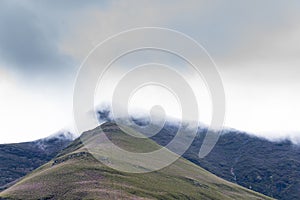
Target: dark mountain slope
point(21, 158)
point(271, 168)
point(76, 174)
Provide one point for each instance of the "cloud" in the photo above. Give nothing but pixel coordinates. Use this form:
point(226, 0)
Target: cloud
point(97, 25)
point(255, 45)
point(29, 113)
point(27, 43)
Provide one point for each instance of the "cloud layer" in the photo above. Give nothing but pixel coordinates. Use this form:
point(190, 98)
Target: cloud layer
point(255, 44)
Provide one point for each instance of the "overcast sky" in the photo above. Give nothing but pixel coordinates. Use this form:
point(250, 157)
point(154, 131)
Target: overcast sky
point(255, 44)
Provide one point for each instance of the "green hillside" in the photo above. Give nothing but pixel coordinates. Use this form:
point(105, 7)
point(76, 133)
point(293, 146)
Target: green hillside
point(76, 174)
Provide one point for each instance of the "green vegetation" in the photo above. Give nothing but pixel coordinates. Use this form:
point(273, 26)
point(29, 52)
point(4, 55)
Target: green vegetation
point(76, 174)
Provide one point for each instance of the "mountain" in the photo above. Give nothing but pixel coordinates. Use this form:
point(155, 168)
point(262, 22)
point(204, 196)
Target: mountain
point(21, 158)
point(75, 174)
point(271, 168)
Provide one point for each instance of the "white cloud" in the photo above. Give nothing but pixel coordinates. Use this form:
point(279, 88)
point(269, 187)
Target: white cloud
point(29, 114)
point(255, 44)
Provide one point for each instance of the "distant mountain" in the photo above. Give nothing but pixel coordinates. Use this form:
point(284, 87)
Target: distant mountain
point(76, 174)
point(21, 158)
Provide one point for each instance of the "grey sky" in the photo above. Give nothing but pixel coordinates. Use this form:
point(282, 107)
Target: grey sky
point(255, 44)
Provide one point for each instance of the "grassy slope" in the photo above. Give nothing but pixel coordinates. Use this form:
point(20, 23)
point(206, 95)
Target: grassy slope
point(75, 174)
